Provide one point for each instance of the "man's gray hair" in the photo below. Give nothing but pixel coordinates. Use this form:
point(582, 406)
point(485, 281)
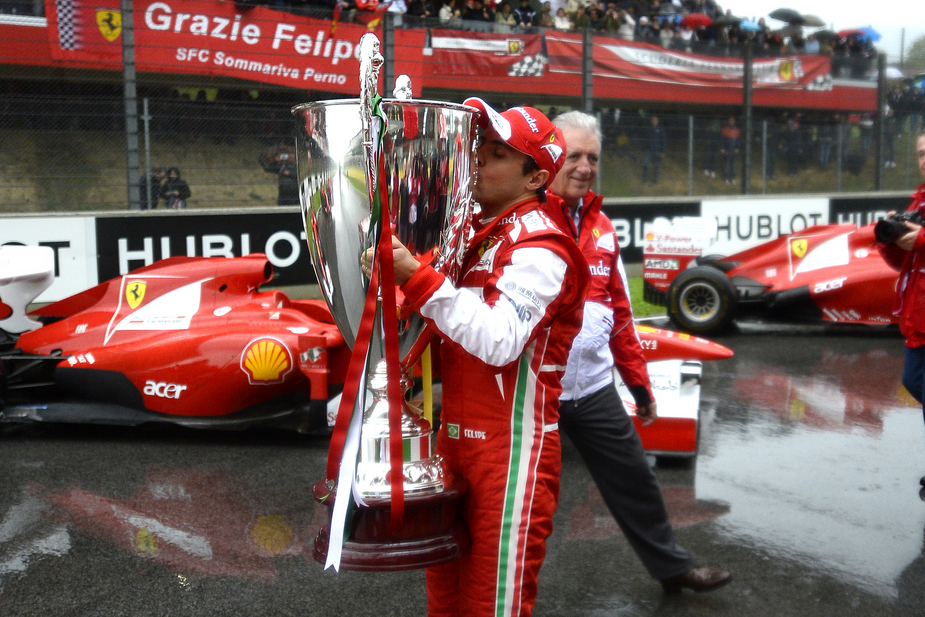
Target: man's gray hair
point(579, 120)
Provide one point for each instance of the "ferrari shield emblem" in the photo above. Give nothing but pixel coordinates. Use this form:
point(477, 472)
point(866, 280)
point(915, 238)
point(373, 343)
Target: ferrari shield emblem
point(514, 46)
point(786, 71)
point(135, 293)
point(799, 247)
point(109, 23)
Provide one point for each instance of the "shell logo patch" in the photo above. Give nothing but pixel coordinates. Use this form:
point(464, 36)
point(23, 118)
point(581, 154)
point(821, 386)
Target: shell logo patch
point(799, 247)
point(266, 361)
point(135, 293)
point(109, 23)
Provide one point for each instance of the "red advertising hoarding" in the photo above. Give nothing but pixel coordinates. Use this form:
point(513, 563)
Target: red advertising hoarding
point(217, 38)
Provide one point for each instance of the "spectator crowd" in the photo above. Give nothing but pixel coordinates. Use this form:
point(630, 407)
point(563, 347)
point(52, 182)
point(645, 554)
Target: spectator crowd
point(700, 26)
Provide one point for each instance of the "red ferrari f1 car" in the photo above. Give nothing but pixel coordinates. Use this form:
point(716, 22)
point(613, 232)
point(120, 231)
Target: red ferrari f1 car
point(825, 273)
point(189, 341)
point(193, 341)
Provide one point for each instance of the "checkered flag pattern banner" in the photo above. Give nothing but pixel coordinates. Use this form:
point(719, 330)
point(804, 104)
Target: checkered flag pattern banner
point(67, 35)
point(530, 66)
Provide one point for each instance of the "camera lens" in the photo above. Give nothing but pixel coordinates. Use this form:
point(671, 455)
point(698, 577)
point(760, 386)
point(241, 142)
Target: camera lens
point(888, 230)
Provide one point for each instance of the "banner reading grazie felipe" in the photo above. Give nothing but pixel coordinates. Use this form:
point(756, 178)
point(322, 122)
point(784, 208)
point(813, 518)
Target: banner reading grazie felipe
point(208, 37)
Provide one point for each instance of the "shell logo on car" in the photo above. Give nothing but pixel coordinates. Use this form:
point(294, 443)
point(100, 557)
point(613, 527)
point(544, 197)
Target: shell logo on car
point(266, 361)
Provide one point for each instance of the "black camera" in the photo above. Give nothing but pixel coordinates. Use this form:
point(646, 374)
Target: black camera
point(890, 228)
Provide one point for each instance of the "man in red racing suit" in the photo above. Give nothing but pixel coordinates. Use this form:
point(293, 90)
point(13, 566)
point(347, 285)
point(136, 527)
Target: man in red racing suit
point(592, 414)
point(505, 328)
point(907, 254)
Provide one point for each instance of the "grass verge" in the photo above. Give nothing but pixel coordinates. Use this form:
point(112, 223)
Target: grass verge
point(641, 308)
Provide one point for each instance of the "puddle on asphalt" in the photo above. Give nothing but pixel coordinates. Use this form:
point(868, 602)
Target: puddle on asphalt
point(819, 459)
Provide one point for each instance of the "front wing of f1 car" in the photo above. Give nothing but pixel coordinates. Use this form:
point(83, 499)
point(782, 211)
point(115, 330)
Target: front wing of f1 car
point(675, 365)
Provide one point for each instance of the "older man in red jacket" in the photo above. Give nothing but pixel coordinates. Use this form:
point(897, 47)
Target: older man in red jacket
point(591, 413)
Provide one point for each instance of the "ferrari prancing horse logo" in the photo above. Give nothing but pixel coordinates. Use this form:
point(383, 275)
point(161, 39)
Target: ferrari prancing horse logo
point(799, 247)
point(109, 23)
point(135, 293)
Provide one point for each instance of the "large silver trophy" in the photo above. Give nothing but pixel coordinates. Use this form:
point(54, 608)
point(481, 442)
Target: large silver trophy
point(427, 152)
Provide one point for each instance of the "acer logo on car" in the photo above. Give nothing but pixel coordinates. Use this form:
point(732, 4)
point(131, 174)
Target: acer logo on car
point(830, 285)
point(163, 389)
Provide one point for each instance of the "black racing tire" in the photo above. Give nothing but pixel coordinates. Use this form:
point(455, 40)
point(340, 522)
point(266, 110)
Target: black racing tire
point(702, 300)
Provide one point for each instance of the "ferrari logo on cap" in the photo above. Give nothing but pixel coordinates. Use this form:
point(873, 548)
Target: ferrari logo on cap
point(799, 247)
point(266, 361)
point(135, 293)
point(110, 23)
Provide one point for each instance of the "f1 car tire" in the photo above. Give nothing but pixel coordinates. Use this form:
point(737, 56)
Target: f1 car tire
point(702, 300)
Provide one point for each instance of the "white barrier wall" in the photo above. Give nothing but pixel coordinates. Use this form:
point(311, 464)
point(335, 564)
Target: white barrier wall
point(94, 247)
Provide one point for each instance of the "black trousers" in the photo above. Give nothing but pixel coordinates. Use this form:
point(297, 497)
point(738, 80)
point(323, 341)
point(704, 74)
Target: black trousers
point(604, 435)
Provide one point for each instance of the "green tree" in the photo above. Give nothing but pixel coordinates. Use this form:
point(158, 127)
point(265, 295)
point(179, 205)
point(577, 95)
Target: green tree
point(915, 57)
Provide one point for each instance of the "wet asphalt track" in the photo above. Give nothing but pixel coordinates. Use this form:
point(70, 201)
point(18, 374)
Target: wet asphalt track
point(806, 487)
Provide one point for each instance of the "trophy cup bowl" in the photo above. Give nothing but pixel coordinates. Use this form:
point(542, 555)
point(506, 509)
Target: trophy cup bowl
point(428, 149)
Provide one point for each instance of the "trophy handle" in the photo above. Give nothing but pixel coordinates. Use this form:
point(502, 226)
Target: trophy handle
point(370, 63)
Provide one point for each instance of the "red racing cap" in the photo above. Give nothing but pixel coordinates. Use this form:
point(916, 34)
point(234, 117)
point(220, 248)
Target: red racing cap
point(526, 130)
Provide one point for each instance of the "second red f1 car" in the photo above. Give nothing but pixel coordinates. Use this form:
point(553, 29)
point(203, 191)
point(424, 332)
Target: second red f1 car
point(828, 273)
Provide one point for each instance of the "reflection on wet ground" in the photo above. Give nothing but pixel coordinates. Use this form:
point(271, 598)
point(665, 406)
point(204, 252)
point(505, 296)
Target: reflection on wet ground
point(819, 449)
point(806, 487)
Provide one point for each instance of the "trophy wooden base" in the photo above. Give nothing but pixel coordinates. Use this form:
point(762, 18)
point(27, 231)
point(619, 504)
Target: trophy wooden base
point(432, 532)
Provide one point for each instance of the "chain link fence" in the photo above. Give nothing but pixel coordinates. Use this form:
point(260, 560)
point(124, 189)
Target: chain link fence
point(647, 153)
point(63, 143)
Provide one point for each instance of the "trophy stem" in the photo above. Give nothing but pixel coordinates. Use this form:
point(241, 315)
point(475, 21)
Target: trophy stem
point(432, 531)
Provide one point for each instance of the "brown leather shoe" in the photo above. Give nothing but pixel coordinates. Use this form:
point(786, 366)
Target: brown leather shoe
point(699, 579)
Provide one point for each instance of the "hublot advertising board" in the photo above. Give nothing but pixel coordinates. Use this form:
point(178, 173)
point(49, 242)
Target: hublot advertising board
point(127, 243)
point(92, 248)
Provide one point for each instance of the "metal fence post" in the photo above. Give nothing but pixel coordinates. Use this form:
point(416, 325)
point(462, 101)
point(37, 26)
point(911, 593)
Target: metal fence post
point(146, 118)
point(747, 104)
point(764, 157)
point(388, 53)
point(878, 122)
point(587, 78)
point(690, 155)
point(131, 106)
point(839, 155)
